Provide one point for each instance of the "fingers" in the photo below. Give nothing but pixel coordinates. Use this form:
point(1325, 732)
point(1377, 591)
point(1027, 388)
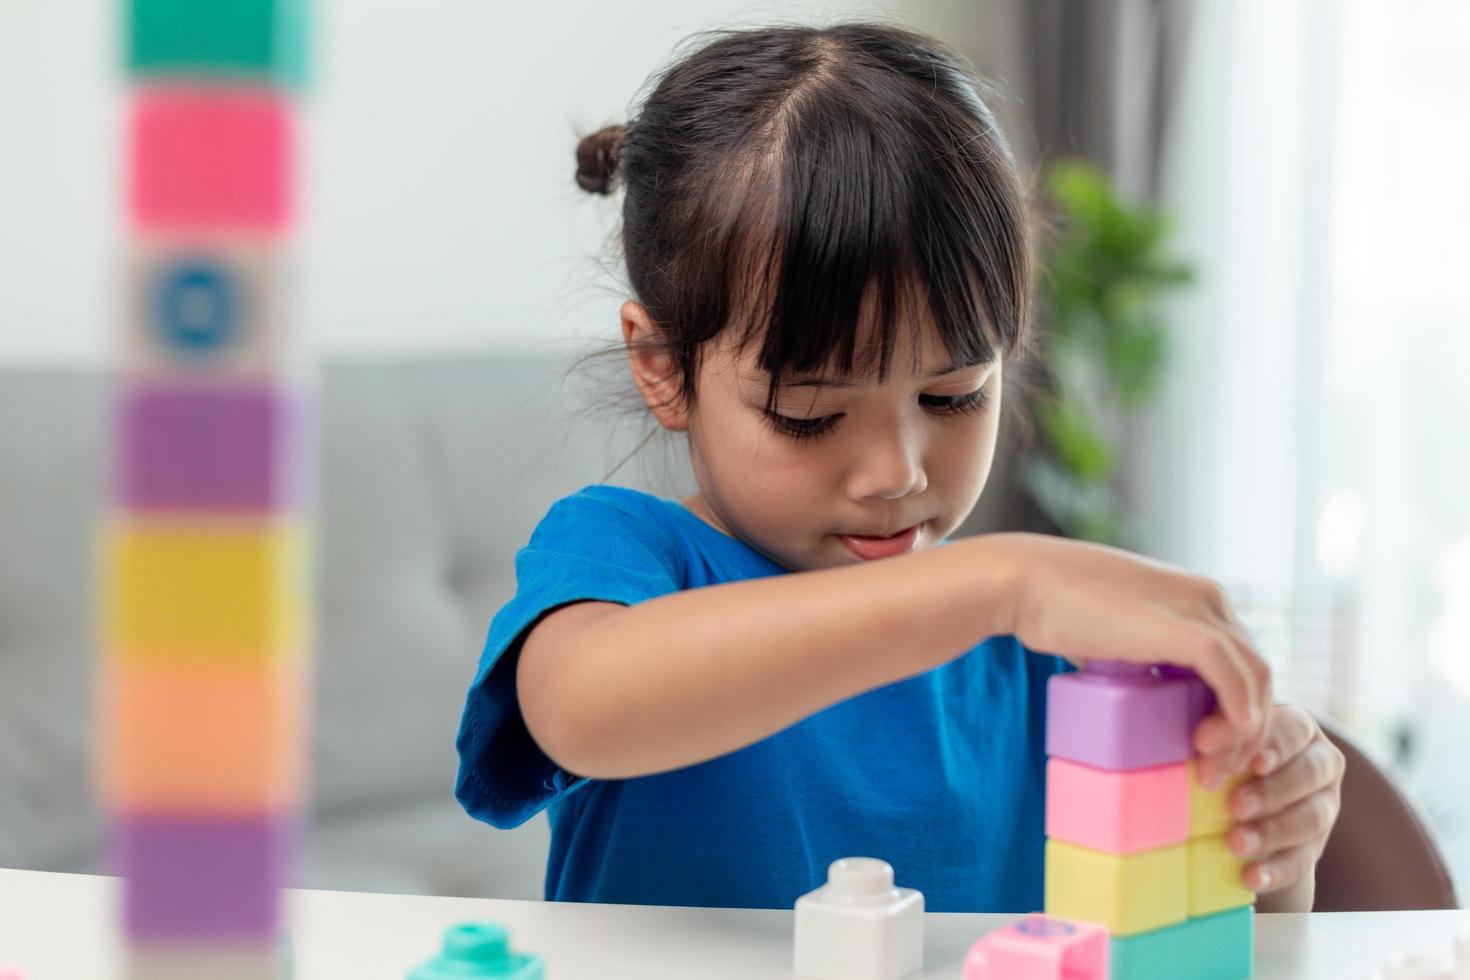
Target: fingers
point(1222, 614)
point(1213, 771)
point(1226, 746)
point(1316, 767)
point(1291, 730)
point(1216, 656)
point(1240, 754)
point(1291, 810)
point(1214, 738)
point(1281, 870)
point(1288, 730)
point(1304, 822)
point(1213, 735)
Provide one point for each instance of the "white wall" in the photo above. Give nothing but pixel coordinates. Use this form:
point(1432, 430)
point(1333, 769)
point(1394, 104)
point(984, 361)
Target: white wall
point(441, 212)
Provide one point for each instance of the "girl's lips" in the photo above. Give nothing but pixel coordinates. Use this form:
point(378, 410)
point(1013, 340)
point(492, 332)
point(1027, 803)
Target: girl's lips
point(869, 548)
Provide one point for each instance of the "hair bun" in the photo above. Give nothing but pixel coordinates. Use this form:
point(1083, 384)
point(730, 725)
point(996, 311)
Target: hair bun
point(597, 159)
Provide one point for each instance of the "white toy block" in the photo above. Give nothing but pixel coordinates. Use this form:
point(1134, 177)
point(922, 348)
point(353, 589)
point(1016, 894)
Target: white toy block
point(1421, 966)
point(858, 926)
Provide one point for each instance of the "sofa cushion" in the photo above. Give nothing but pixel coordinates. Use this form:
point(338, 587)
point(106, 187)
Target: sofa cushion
point(432, 475)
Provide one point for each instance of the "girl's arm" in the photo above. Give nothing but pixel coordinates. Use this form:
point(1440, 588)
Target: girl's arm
point(612, 691)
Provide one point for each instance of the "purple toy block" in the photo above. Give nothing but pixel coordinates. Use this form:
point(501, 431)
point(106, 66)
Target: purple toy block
point(208, 448)
point(202, 877)
point(1201, 699)
point(1117, 716)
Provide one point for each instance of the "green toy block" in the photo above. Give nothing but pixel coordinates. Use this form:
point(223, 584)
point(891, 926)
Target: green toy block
point(230, 39)
point(479, 951)
point(1214, 947)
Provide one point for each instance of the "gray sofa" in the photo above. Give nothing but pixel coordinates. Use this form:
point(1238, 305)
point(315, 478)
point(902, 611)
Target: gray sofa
point(432, 474)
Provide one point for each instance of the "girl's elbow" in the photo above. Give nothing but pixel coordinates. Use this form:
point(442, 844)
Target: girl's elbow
point(561, 693)
point(565, 735)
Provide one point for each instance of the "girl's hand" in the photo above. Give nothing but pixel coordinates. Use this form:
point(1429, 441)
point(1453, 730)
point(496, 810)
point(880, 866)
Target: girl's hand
point(1087, 601)
point(1287, 810)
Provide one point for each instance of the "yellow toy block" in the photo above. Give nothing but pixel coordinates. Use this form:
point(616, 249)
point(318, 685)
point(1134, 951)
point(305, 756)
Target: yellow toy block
point(1127, 893)
point(204, 738)
point(1214, 877)
point(204, 591)
point(1208, 813)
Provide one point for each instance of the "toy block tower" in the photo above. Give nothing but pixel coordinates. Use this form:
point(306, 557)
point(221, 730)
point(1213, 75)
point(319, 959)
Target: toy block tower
point(1134, 842)
point(204, 627)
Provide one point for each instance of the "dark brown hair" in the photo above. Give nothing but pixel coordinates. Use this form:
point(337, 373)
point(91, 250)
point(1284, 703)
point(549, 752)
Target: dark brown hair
point(777, 179)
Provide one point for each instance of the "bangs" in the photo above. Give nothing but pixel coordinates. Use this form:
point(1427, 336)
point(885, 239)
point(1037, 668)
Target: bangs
point(856, 226)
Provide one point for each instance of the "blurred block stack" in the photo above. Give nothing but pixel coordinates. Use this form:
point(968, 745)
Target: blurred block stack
point(204, 676)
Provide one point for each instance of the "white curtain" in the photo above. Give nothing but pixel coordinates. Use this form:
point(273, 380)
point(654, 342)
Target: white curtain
point(1312, 450)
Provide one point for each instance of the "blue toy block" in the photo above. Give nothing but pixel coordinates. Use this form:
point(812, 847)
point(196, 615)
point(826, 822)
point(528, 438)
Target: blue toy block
point(210, 309)
point(198, 307)
point(1214, 947)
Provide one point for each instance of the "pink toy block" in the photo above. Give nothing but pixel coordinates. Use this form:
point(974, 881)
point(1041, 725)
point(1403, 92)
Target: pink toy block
point(212, 158)
point(1120, 812)
point(1040, 947)
point(1117, 716)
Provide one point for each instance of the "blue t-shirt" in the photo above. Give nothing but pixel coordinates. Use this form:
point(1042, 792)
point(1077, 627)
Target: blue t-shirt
point(941, 775)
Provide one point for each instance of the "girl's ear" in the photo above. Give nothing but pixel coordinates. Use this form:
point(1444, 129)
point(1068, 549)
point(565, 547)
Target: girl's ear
point(654, 371)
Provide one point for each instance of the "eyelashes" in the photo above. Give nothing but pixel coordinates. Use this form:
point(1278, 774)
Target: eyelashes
point(802, 429)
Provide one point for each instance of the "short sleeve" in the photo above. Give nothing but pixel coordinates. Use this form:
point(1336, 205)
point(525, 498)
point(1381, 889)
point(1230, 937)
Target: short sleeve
point(602, 543)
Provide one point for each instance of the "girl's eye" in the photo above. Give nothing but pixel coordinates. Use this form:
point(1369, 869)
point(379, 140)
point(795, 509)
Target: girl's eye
point(800, 429)
point(975, 401)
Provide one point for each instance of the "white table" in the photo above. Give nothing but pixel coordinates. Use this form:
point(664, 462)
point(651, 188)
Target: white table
point(62, 927)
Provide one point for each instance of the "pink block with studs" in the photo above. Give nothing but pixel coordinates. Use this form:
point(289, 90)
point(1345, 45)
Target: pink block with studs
point(1040, 947)
point(214, 158)
point(1118, 812)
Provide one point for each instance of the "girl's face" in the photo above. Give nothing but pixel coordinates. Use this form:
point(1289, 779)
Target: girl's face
point(852, 457)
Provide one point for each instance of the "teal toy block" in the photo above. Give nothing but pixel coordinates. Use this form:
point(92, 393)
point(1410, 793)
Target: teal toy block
point(1213, 947)
point(479, 950)
point(230, 39)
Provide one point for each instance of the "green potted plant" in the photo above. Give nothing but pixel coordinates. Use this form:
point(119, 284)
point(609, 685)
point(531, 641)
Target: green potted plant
point(1104, 270)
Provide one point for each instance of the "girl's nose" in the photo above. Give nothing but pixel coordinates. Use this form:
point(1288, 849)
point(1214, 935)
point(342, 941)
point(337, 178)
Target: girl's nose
point(888, 466)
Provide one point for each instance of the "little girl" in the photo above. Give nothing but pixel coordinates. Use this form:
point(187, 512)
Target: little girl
point(826, 238)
